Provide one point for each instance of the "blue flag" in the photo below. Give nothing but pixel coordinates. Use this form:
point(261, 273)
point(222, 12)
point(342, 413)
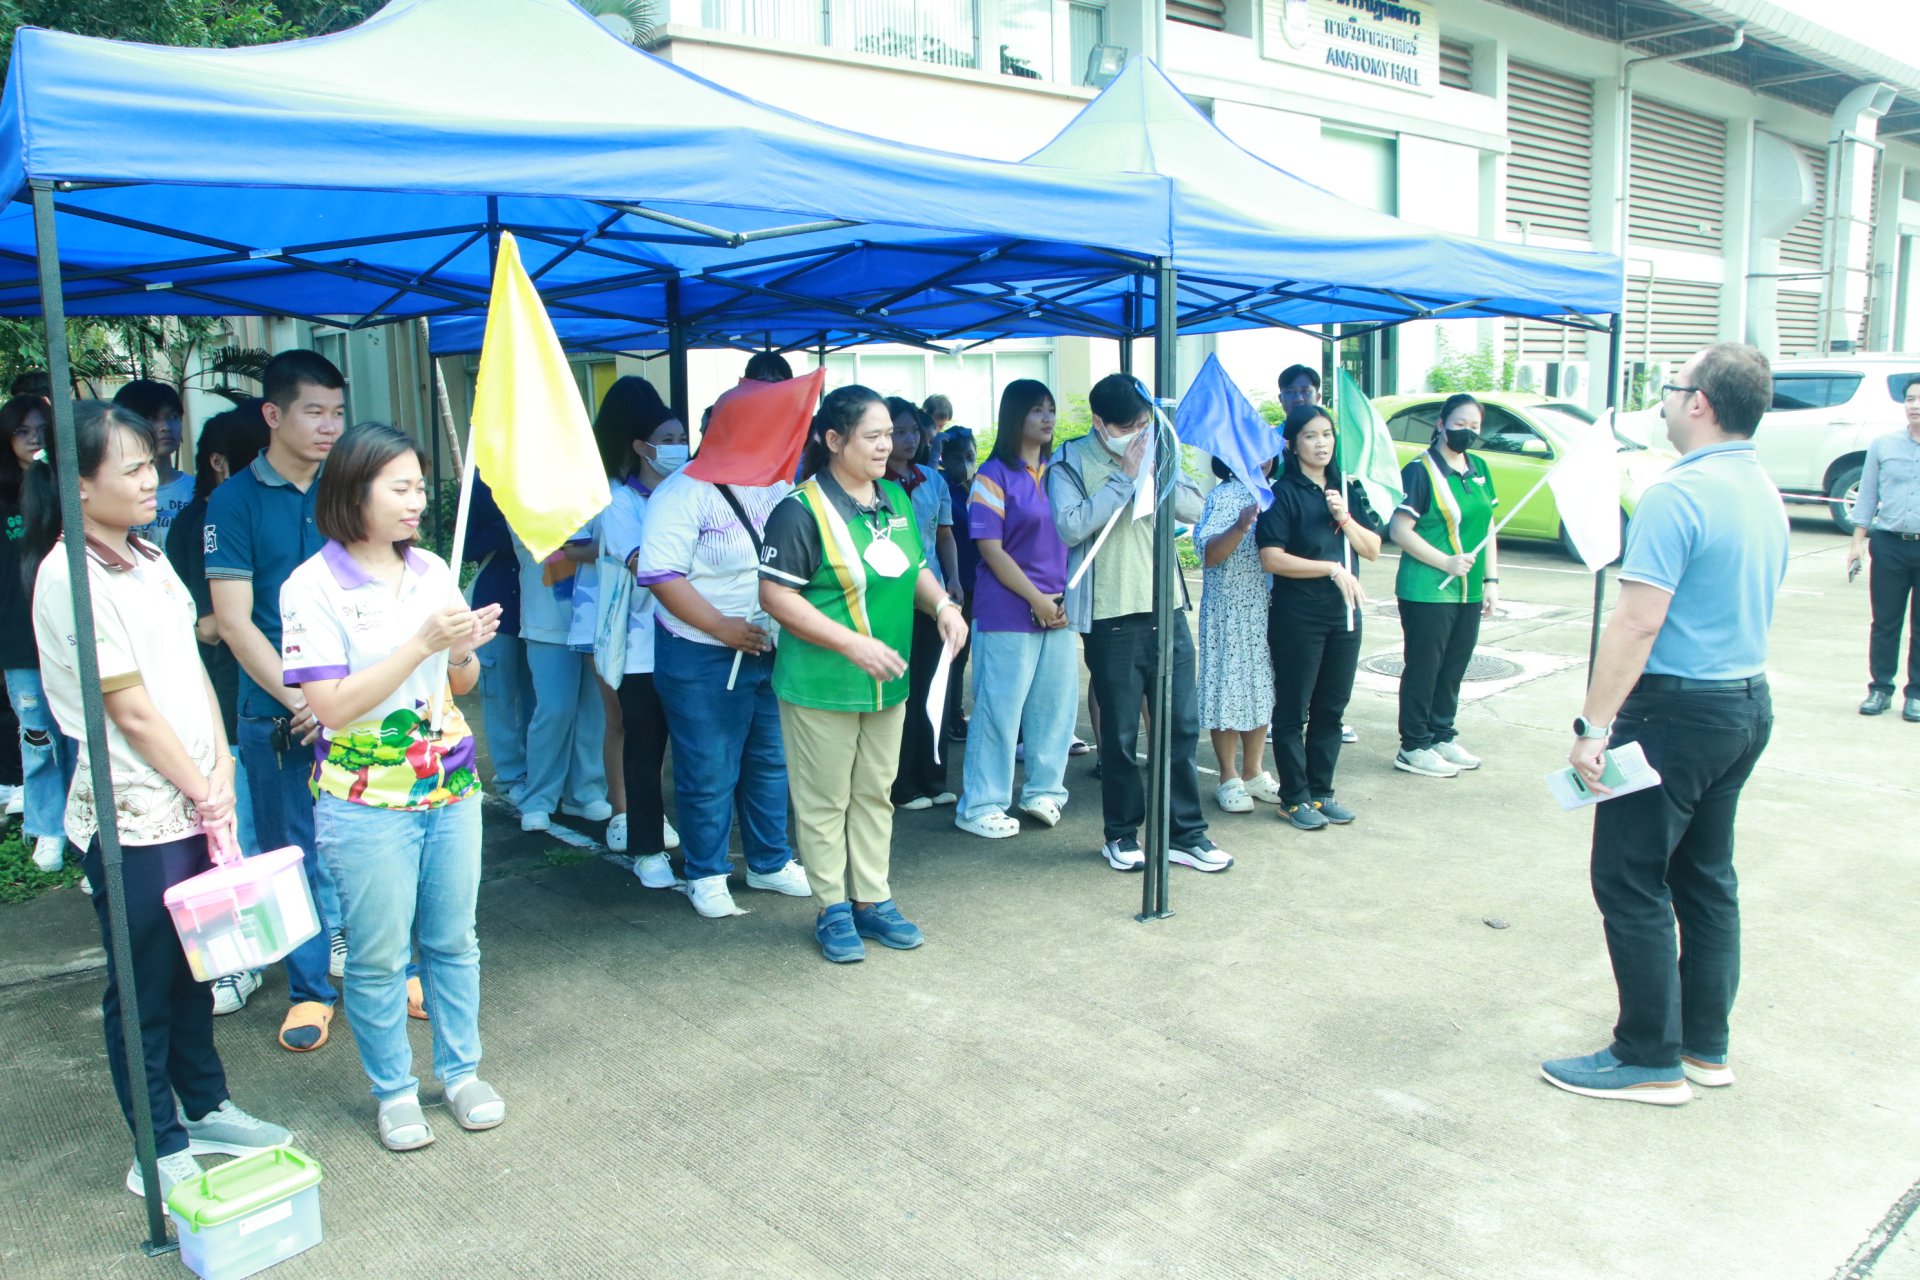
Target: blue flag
point(1216, 417)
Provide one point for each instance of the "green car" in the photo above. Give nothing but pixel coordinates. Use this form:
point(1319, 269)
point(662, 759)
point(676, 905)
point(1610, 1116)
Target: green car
point(1521, 435)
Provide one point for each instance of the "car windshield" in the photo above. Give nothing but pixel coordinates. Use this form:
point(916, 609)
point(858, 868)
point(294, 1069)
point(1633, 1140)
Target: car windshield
point(1573, 426)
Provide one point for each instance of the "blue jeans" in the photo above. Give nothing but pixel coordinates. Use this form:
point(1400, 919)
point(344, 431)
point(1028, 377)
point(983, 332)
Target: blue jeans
point(727, 752)
point(506, 693)
point(283, 816)
point(1026, 687)
point(567, 733)
point(47, 756)
point(408, 877)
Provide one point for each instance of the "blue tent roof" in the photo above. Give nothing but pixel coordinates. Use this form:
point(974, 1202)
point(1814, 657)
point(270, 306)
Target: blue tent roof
point(361, 174)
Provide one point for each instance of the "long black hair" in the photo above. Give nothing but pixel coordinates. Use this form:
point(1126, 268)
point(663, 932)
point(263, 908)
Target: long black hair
point(94, 422)
point(1017, 400)
point(840, 412)
point(13, 415)
point(632, 411)
point(1297, 420)
point(239, 435)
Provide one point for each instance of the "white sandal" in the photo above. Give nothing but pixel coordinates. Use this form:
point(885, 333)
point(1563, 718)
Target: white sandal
point(989, 826)
point(1043, 810)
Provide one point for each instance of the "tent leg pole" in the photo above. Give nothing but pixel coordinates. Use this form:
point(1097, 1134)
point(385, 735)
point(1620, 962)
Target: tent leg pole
point(1614, 338)
point(86, 653)
point(1166, 376)
point(677, 355)
point(1126, 355)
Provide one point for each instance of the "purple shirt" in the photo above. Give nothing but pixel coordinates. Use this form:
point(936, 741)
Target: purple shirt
point(1009, 502)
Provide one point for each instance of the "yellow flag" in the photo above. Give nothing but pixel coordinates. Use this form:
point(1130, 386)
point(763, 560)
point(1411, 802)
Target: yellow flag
point(532, 440)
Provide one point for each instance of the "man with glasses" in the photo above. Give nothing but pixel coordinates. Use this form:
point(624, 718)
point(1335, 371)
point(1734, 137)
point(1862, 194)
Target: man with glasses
point(1886, 517)
point(1681, 670)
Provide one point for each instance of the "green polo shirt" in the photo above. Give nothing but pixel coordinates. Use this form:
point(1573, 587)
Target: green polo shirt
point(1454, 518)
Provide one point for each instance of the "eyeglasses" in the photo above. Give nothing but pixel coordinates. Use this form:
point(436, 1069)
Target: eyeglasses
point(1674, 386)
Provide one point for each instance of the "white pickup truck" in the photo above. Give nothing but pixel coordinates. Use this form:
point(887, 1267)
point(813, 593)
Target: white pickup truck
point(1813, 441)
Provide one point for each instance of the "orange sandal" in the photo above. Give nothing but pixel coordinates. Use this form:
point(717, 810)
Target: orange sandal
point(416, 1000)
point(308, 1015)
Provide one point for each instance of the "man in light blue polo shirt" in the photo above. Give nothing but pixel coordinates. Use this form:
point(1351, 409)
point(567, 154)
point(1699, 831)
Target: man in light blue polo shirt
point(260, 527)
point(1682, 671)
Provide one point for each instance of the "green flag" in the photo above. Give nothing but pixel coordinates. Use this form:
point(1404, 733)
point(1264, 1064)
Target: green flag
point(1365, 447)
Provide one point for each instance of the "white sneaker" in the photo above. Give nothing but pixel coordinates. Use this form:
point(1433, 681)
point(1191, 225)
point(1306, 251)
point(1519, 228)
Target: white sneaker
point(598, 811)
point(617, 833)
point(1262, 787)
point(17, 803)
point(946, 797)
point(173, 1170)
point(1202, 855)
point(1232, 796)
point(673, 837)
point(337, 952)
point(49, 853)
point(11, 793)
point(790, 880)
point(536, 820)
point(230, 993)
point(1124, 854)
point(918, 802)
point(1424, 762)
point(1347, 734)
point(1455, 754)
point(85, 886)
point(655, 871)
point(710, 897)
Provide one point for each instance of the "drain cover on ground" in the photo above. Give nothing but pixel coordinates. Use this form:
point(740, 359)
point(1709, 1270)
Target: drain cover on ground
point(1480, 667)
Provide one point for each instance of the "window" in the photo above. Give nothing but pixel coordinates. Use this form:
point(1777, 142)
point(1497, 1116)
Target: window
point(1456, 65)
point(1504, 432)
point(1415, 424)
point(1897, 383)
point(1813, 390)
point(1211, 14)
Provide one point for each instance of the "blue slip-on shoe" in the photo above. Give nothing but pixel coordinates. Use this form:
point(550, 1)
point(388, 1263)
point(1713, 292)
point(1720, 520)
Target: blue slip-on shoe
point(838, 941)
point(884, 924)
point(1601, 1075)
point(1708, 1069)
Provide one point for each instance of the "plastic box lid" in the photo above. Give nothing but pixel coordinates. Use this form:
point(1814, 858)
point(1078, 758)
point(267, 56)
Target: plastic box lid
point(243, 1186)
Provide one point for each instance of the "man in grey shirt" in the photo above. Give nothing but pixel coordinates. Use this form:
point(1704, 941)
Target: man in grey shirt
point(1886, 517)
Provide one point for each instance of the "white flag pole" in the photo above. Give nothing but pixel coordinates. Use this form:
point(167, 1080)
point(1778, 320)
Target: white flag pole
point(1495, 531)
point(462, 511)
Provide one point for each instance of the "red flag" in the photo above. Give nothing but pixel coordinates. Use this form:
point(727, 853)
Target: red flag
point(757, 431)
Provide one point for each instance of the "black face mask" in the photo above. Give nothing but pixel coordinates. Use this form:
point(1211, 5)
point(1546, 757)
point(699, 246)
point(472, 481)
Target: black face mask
point(1461, 439)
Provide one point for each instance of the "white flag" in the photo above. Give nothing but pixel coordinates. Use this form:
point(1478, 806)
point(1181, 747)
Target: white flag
point(1586, 487)
point(1143, 484)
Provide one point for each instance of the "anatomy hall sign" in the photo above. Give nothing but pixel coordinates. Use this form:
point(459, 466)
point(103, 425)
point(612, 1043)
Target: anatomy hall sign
point(1388, 42)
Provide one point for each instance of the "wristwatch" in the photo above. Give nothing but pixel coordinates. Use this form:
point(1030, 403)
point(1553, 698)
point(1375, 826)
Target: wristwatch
point(1585, 728)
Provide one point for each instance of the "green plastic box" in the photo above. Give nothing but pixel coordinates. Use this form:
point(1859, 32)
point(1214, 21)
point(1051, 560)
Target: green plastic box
point(248, 1214)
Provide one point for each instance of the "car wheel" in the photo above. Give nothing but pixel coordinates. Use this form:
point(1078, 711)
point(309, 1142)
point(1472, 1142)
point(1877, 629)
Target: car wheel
point(1841, 492)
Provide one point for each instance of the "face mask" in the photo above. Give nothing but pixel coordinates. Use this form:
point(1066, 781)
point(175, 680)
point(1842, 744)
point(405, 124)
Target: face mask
point(1119, 449)
point(669, 458)
point(1461, 439)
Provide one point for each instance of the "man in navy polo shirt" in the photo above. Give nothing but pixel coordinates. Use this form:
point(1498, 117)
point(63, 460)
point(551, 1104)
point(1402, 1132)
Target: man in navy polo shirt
point(1682, 670)
point(260, 527)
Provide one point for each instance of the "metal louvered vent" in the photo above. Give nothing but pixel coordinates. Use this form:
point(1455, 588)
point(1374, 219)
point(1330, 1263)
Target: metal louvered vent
point(1685, 316)
point(1679, 177)
point(1456, 65)
point(1550, 170)
point(1798, 315)
point(1211, 14)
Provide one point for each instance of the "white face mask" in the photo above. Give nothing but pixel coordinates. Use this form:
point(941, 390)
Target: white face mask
point(1117, 448)
point(669, 458)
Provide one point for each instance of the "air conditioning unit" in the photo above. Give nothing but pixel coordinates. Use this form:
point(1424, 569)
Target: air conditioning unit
point(1530, 375)
point(1573, 380)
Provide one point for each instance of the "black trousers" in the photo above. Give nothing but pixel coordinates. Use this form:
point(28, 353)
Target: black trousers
point(957, 684)
point(176, 1013)
point(1438, 642)
point(1894, 584)
point(645, 753)
point(1664, 856)
point(1122, 657)
point(919, 773)
point(1313, 665)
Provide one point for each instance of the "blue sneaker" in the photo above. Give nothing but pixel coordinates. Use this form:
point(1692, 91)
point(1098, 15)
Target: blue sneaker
point(1708, 1069)
point(1601, 1075)
point(884, 924)
point(838, 942)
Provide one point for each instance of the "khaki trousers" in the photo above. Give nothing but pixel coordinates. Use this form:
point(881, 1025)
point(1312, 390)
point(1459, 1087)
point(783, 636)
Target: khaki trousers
point(840, 770)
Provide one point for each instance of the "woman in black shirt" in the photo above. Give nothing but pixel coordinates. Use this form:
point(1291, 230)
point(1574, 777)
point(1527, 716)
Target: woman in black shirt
point(1311, 540)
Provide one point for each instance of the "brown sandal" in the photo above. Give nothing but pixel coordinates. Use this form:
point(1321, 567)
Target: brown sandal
point(305, 1016)
point(416, 1000)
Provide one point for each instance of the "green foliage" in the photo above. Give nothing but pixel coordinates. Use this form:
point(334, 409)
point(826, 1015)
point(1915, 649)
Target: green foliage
point(90, 346)
point(196, 24)
point(1271, 411)
point(1477, 370)
point(20, 880)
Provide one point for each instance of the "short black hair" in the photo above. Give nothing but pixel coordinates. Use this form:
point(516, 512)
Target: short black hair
point(1738, 382)
point(937, 407)
point(356, 461)
point(34, 382)
point(286, 373)
point(1293, 371)
point(768, 366)
point(1118, 398)
point(150, 399)
point(238, 435)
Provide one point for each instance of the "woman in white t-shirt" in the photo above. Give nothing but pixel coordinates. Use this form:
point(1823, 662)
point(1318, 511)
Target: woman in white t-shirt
point(171, 770)
point(376, 636)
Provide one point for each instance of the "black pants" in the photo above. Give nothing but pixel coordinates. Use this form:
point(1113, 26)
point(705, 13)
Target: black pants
point(1438, 643)
point(645, 721)
point(920, 774)
point(1894, 583)
point(1122, 657)
point(957, 683)
point(1664, 856)
point(1313, 664)
point(176, 1013)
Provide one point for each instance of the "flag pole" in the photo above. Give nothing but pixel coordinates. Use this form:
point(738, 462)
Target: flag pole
point(1504, 520)
point(1614, 338)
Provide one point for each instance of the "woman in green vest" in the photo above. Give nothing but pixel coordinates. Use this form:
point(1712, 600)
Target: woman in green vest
point(1448, 581)
point(842, 571)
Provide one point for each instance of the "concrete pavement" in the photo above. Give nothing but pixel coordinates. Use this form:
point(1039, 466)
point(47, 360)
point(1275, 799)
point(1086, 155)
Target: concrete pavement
point(1325, 1064)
